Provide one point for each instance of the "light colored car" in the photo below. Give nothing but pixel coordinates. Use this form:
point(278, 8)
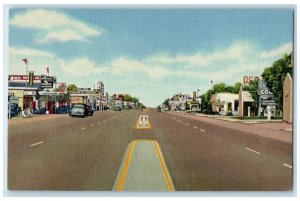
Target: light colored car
point(77, 110)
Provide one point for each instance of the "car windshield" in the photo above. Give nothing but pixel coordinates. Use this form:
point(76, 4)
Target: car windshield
point(78, 106)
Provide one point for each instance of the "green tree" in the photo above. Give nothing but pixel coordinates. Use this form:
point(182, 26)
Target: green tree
point(252, 88)
point(135, 100)
point(127, 97)
point(166, 102)
point(274, 77)
point(71, 88)
point(236, 87)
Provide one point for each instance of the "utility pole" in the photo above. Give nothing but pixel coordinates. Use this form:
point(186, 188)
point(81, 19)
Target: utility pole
point(26, 64)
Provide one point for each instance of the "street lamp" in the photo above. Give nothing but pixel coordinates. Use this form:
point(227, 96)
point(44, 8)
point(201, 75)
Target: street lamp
point(211, 84)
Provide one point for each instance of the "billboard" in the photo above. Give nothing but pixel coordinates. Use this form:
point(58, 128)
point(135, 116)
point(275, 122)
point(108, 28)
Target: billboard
point(23, 78)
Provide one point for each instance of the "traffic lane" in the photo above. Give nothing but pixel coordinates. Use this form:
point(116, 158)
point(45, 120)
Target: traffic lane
point(86, 160)
point(268, 146)
point(23, 135)
point(199, 161)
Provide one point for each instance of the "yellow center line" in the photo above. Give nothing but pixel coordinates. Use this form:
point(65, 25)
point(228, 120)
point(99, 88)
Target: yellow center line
point(125, 167)
point(163, 166)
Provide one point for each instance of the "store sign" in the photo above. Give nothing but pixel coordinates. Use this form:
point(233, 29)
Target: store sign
point(263, 90)
point(47, 81)
point(29, 93)
point(46, 93)
point(83, 89)
point(268, 102)
point(61, 87)
point(248, 79)
point(23, 78)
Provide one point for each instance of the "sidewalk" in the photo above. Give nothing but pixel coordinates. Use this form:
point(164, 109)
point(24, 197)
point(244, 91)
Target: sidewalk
point(277, 130)
point(35, 118)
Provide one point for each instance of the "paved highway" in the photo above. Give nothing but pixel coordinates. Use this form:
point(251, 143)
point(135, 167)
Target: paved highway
point(106, 152)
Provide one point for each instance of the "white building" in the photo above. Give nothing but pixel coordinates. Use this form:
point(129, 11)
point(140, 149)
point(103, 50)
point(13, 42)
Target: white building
point(225, 103)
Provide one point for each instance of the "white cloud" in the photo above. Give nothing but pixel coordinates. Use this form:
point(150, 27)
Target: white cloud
point(26, 52)
point(54, 26)
point(278, 52)
point(82, 67)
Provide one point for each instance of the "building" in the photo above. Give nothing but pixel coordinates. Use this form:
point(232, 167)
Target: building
point(23, 93)
point(225, 103)
point(245, 102)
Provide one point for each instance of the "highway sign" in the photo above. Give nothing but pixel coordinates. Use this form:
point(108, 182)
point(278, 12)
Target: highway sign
point(143, 121)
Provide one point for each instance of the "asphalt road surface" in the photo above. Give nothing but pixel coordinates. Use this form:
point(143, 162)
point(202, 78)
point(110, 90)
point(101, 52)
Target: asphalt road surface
point(95, 153)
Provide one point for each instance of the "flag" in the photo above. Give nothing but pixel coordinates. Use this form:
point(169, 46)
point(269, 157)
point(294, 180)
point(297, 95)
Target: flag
point(47, 70)
point(25, 61)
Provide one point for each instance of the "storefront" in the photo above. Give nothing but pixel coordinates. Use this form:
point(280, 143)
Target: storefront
point(53, 100)
point(24, 96)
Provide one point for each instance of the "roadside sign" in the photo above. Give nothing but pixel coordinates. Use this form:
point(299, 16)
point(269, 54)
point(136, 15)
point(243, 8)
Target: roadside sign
point(268, 102)
point(47, 81)
point(143, 121)
point(263, 89)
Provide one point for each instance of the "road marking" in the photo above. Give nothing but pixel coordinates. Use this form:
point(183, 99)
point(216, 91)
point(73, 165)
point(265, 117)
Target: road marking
point(179, 120)
point(125, 167)
point(99, 123)
point(195, 127)
point(92, 125)
point(252, 150)
point(163, 166)
point(41, 142)
point(83, 128)
point(286, 165)
point(202, 130)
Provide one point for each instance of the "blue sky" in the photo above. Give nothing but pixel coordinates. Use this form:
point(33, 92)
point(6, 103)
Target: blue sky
point(149, 53)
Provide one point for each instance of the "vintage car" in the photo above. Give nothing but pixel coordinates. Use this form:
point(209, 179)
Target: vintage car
point(77, 110)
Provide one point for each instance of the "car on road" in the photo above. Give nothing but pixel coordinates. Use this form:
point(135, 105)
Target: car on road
point(158, 109)
point(88, 110)
point(167, 108)
point(14, 111)
point(77, 110)
point(117, 108)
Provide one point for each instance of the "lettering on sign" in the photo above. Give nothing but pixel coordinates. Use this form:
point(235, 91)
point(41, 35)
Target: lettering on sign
point(143, 121)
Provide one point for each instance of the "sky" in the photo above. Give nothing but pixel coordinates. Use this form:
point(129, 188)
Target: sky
point(149, 53)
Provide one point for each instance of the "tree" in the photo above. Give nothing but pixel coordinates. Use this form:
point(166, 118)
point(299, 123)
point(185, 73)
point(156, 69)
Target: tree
point(135, 100)
point(72, 88)
point(274, 77)
point(128, 97)
point(166, 102)
point(236, 87)
point(252, 88)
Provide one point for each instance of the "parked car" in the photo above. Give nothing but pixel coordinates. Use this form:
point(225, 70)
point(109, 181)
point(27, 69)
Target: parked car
point(158, 109)
point(88, 110)
point(77, 110)
point(106, 107)
point(62, 110)
point(14, 111)
point(117, 108)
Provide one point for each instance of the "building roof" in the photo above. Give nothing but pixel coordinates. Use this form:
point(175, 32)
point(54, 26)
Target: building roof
point(22, 86)
point(247, 97)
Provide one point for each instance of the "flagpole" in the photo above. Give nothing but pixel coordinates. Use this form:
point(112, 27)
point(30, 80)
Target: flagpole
point(26, 63)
